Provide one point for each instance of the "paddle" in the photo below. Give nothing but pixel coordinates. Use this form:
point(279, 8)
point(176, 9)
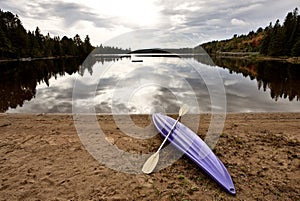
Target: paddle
point(151, 163)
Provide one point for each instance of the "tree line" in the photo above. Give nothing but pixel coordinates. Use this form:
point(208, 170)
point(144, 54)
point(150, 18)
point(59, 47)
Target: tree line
point(273, 40)
point(110, 50)
point(16, 42)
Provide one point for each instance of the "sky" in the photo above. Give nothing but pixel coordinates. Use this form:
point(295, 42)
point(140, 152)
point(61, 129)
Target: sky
point(149, 23)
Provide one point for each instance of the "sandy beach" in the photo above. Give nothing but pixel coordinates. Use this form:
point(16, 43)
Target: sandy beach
point(42, 158)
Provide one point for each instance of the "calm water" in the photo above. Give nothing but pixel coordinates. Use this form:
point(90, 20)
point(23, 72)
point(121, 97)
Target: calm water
point(114, 85)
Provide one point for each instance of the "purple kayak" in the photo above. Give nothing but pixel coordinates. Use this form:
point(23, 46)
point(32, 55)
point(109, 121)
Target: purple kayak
point(196, 149)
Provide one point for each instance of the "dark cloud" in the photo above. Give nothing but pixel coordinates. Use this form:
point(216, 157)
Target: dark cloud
point(205, 19)
point(70, 12)
point(223, 18)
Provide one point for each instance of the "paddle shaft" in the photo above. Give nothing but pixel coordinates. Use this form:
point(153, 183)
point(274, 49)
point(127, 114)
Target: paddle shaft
point(162, 144)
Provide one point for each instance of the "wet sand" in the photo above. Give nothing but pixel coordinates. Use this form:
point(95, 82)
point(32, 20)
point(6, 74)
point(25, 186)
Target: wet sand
point(42, 158)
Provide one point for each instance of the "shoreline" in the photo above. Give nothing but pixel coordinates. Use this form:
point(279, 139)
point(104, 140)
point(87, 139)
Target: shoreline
point(255, 56)
point(35, 59)
point(43, 158)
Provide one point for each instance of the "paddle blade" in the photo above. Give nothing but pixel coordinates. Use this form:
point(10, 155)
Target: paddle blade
point(183, 110)
point(150, 164)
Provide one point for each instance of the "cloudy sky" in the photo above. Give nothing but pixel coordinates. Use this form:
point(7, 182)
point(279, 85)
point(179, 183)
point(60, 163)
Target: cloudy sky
point(172, 21)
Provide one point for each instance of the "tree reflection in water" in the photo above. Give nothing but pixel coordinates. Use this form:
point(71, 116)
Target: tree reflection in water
point(19, 80)
point(283, 79)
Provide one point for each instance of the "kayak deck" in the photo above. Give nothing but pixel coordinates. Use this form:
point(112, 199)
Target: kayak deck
point(196, 149)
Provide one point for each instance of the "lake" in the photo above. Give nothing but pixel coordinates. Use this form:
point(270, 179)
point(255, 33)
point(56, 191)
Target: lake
point(143, 84)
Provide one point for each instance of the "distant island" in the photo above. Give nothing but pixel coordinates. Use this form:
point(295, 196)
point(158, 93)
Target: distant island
point(149, 51)
point(274, 41)
point(185, 50)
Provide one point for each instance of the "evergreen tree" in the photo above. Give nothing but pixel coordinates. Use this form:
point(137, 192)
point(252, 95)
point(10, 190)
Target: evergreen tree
point(68, 46)
point(57, 51)
point(48, 46)
point(290, 28)
point(87, 45)
point(77, 41)
point(276, 45)
point(79, 44)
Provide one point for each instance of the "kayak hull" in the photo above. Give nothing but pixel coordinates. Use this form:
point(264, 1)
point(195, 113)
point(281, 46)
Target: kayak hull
point(196, 149)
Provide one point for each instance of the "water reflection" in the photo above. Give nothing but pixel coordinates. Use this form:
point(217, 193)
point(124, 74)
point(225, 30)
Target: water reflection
point(47, 85)
point(19, 80)
point(282, 79)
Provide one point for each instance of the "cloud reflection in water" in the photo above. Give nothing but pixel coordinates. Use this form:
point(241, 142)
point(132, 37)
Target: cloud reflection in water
point(156, 84)
point(127, 87)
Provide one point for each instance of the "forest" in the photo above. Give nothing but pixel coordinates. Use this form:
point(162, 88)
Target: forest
point(273, 40)
point(16, 42)
point(110, 50)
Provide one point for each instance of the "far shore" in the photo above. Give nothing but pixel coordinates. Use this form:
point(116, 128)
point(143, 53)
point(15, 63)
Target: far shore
point(34, 58)
point(256, 57)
